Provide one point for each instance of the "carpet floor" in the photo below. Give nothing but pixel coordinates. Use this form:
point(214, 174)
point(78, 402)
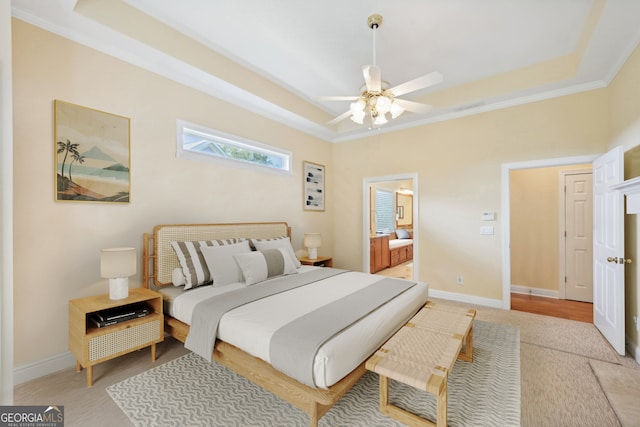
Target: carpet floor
point(621, 385)
point(558, 384)
point(191, 391)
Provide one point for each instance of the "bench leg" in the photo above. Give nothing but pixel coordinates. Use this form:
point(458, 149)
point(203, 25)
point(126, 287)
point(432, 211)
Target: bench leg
point(441, 409)
point(467, 356)
point(407, 417)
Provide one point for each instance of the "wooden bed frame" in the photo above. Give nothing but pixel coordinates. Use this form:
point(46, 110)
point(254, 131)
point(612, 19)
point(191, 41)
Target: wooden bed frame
point(159, 260)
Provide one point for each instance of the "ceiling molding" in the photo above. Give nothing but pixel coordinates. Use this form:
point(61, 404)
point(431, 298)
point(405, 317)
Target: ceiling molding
point(62, 20)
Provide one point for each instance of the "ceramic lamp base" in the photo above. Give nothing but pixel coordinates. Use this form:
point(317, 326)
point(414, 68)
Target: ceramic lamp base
point(119, 288)
point(313, 253)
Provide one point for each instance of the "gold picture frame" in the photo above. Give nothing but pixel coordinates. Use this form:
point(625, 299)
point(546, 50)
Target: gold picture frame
point(93, 157)
point(313, 186)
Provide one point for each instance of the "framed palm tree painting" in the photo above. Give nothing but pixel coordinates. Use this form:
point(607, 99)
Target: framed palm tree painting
point(92, 155)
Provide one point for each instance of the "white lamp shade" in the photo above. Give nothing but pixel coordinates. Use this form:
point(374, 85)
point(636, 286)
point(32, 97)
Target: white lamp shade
point(312, 240)
point(117, 262)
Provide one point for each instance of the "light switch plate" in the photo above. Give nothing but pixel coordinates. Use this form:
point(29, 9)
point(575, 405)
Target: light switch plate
point(486, 230)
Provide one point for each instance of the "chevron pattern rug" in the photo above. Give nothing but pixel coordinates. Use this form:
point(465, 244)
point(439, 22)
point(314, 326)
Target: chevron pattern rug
point(190, 391)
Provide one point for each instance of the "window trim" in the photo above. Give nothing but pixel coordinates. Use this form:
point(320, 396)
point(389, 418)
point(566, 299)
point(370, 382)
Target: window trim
point(232, 140)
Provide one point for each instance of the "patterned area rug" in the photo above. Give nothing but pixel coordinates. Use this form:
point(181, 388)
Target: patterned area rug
point(190, 391)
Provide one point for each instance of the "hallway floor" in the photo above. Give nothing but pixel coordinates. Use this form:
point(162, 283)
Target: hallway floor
point(565, 309)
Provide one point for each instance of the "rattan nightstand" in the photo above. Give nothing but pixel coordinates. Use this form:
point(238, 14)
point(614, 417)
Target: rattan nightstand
point(92, 345)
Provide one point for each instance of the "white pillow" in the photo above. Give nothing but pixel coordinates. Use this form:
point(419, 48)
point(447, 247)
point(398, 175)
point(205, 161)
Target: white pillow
point(275, 243)
point(194, 268)
point(223, 268)
point(260, 265)
point(177, 277)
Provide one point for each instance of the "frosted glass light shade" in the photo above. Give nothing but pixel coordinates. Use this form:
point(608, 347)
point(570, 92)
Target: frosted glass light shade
point(117, 264)
point(312, 241)
point(396, 110)
point(380, 120)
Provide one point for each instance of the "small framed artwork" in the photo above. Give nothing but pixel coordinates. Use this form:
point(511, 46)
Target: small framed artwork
point(92, 158)
point(313, 186)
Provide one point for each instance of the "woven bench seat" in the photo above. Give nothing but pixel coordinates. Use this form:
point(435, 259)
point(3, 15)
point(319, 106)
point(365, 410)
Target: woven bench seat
point(421, 354)
point(448, 319)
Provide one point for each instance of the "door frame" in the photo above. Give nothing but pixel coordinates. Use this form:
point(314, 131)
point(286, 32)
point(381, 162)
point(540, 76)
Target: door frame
point(366, 217)
point(562, 197)
point(506, 210)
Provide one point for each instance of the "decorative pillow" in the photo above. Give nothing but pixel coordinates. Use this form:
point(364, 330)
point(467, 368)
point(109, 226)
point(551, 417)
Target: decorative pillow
point(192, 262)
point(177, 278)
point(258, 266)
point(402, 233)
point(223, 268)
point(275, 243)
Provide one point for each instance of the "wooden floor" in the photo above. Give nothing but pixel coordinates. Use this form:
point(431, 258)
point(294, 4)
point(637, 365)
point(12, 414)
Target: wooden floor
point(565, 309)
point(401, 271)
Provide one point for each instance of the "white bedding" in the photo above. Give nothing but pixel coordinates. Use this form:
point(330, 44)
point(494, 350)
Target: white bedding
point(251, 326)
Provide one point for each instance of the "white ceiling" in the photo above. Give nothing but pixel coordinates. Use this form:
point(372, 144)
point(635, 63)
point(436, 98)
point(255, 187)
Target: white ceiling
point(492, 53)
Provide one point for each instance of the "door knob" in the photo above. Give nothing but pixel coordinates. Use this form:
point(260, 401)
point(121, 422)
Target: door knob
point(614, 259)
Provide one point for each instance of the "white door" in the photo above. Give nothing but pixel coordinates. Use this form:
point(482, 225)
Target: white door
point(608, 248)
point(578, 189)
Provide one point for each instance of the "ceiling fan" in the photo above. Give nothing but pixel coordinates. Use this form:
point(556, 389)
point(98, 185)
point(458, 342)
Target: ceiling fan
point(377, 99)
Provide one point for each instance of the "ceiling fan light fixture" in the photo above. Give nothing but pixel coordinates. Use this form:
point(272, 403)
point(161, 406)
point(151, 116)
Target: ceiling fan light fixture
point(396, 110)
point(358, 117)
point(383, 104)
point(377, 98)
point(357, 107)
point(380, 119)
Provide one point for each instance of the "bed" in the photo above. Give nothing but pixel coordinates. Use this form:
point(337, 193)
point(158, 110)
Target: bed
point(240, 337)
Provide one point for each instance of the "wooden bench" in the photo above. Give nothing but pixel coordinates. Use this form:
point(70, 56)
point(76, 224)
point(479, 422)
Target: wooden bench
point(421, 354)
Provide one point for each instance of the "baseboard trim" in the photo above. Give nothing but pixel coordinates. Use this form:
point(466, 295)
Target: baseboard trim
point(633, 349)
point(548, 293)
point(31, 371)
point(470, 299)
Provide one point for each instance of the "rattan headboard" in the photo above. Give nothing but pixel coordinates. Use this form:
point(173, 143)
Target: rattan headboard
point(159, 258)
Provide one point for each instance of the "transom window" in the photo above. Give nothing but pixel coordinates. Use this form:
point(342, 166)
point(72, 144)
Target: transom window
point(200, 143)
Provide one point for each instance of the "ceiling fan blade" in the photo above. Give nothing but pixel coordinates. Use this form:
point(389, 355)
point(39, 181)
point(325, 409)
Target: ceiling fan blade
point(416, 84)
point(340, 118)
point(372, 78)
point(335, 98)
point(414, 107)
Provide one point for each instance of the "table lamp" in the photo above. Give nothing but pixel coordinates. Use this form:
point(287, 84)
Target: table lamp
point(312, 241)
point(117, 264)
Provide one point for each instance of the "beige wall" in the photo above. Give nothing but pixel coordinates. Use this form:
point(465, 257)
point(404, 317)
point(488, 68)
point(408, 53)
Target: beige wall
point(459, 169)
point(458, 163)
point(535, 228)
point(624, 95)
point(57, 243)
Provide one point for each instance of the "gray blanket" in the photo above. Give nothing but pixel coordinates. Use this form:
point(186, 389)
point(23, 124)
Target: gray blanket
point(207, 313)
point(294, 346)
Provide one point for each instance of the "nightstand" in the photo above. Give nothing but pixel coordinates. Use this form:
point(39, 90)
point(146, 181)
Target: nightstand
point(91, 344)
point(321, 261)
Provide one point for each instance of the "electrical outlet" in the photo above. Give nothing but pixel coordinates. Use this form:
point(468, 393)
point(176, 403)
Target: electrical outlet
point(637, 322)
point(459, 279)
